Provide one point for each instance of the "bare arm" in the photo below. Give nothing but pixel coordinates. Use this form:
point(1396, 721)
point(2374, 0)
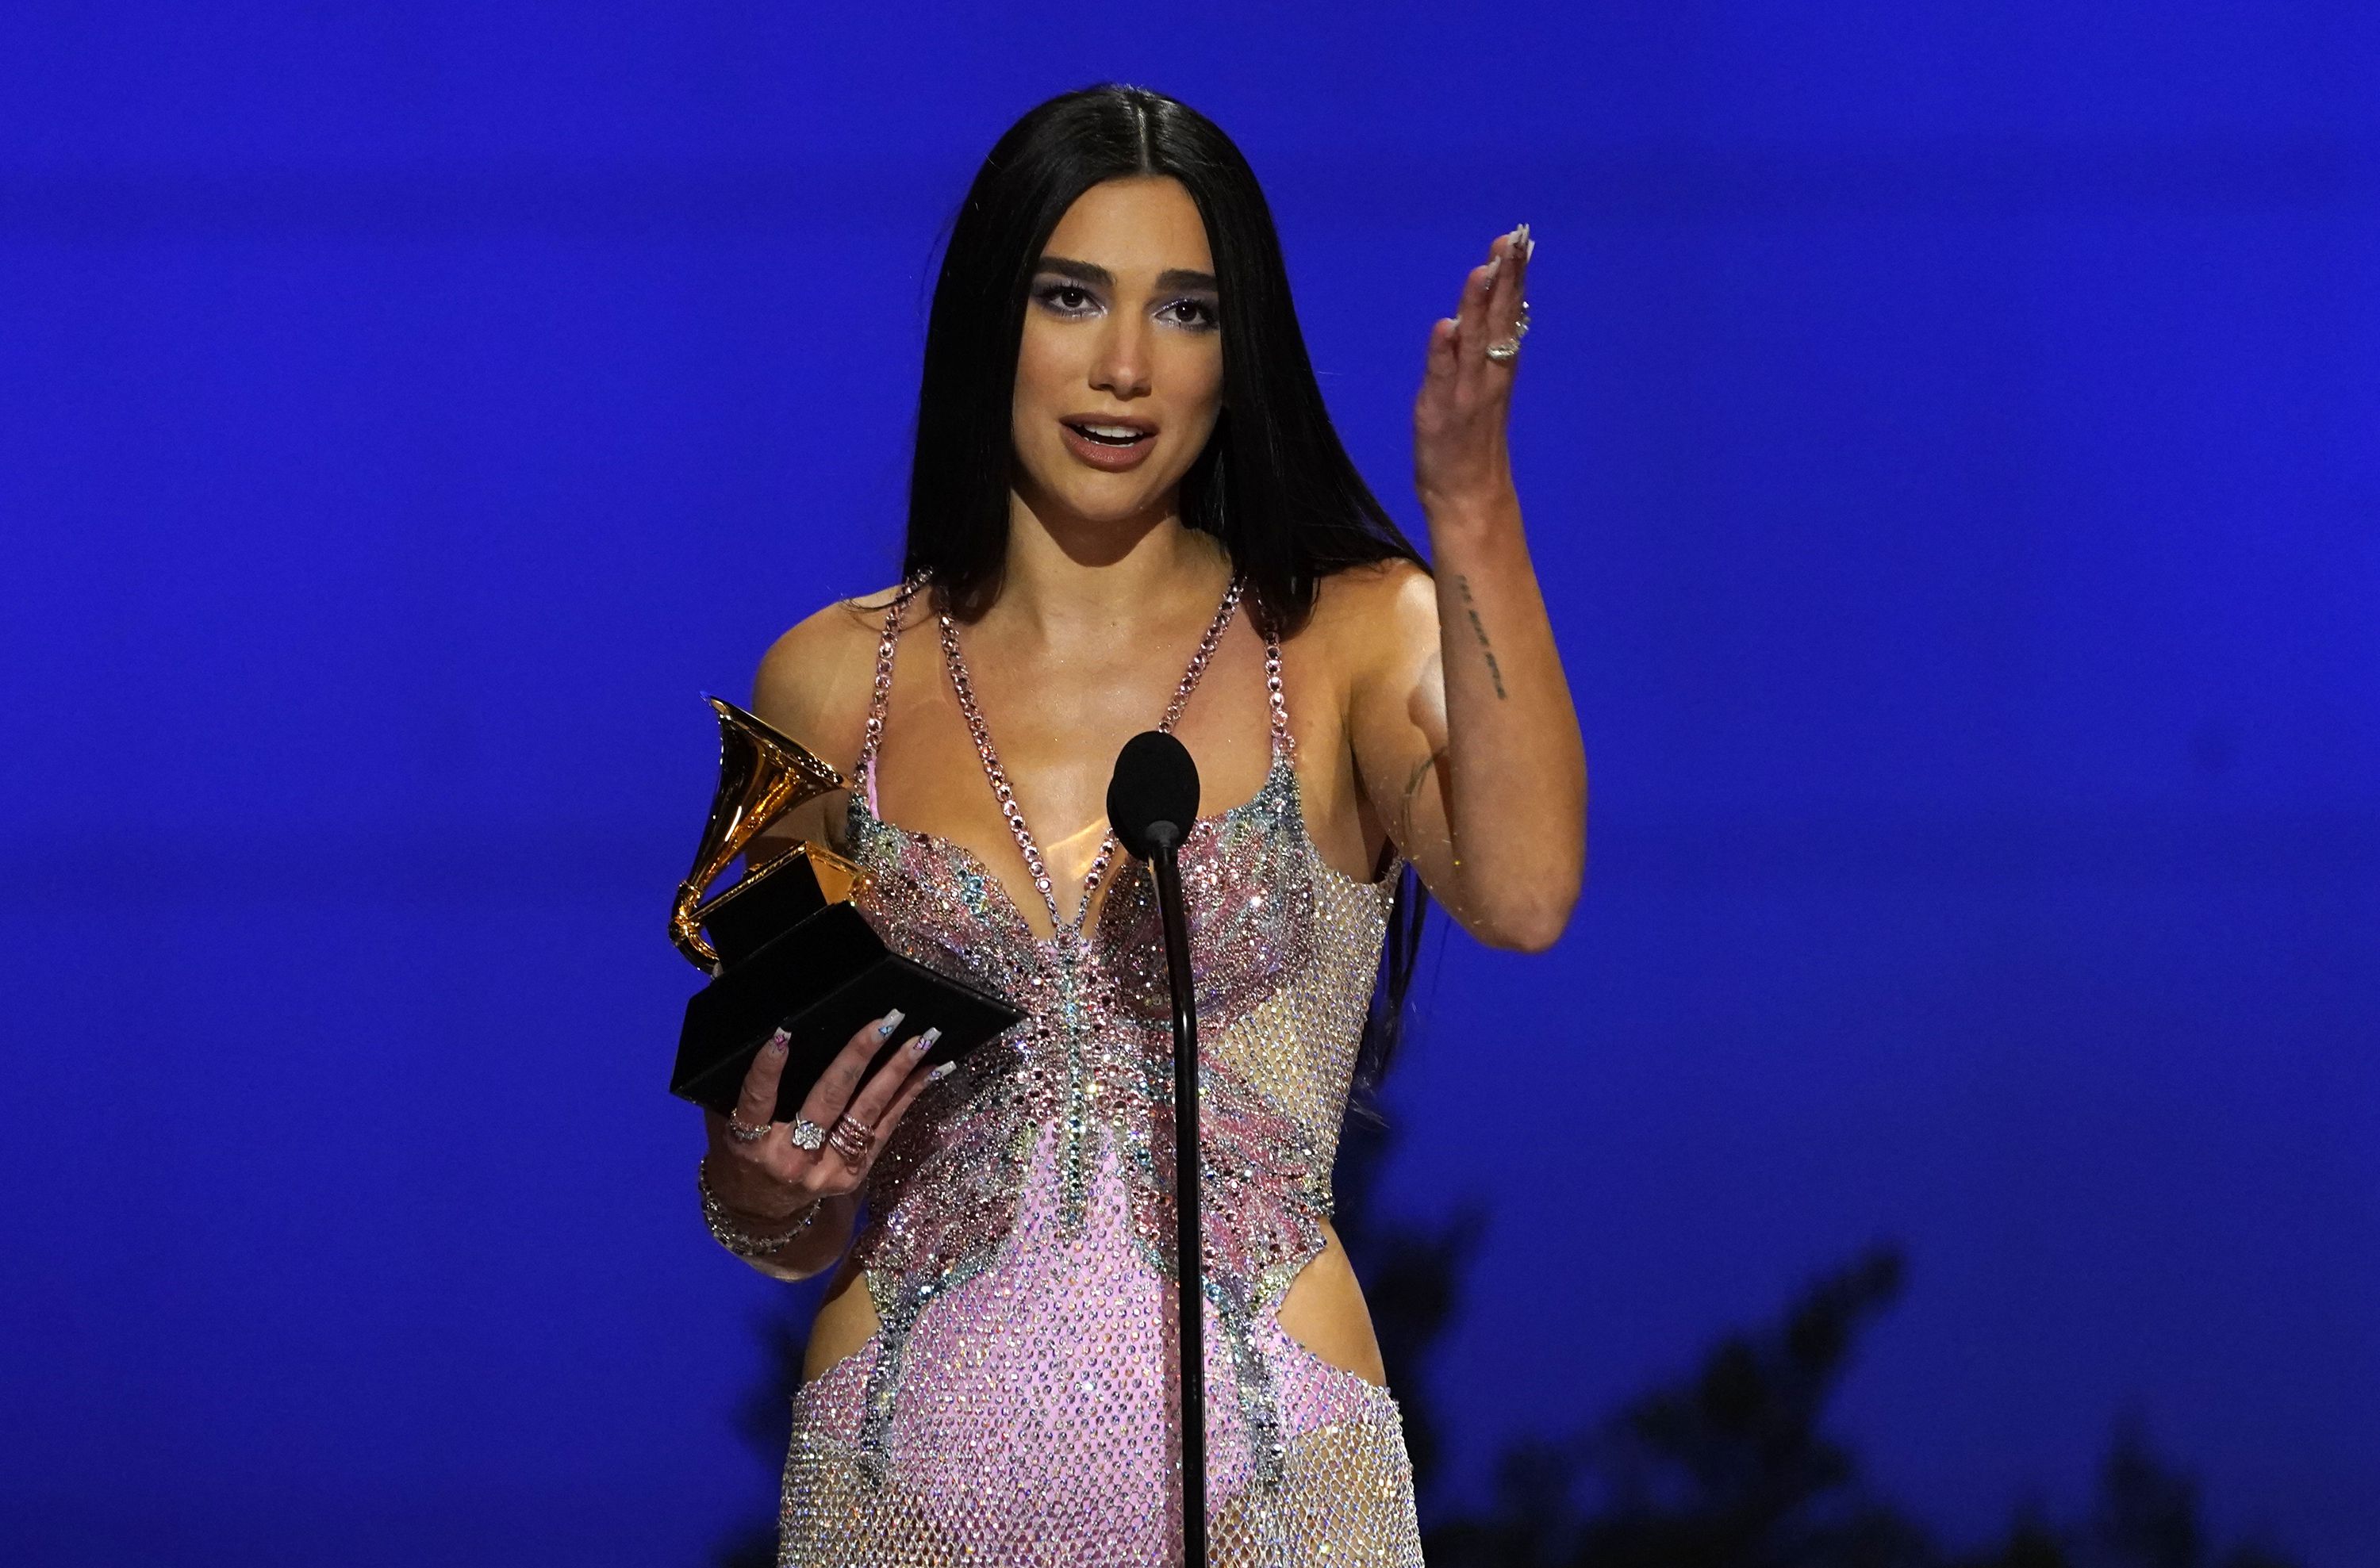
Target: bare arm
point(812, 685)
point(1465, 733)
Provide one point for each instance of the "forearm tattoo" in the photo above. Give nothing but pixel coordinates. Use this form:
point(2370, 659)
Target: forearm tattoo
point(1495, 674)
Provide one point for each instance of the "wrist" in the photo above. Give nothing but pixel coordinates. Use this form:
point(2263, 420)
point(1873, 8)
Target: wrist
point(728, 1190)
point(1474, 514)
point(746, 1234)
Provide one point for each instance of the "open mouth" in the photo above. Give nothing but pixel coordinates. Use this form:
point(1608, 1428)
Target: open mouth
point(1110, 435)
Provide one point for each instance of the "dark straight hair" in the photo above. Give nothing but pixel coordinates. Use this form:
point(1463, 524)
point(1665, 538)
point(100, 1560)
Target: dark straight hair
point(1274, 484)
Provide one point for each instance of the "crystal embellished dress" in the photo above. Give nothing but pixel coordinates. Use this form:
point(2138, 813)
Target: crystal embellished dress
point(1017, 1404)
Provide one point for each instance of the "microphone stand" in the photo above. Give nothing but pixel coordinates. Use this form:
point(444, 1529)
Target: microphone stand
point(1164, 863)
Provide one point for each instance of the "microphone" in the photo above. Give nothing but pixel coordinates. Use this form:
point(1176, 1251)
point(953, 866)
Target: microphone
point(1152, 800)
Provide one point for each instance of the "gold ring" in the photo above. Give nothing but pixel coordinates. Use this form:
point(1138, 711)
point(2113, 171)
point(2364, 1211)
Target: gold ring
point(852, 1139)
point(743, 1134)
point(1504, 353)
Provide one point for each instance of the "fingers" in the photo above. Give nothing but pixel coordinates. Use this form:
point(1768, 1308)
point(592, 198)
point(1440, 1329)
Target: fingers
point(836, 1086)
point(881, 1120)
point(1505, 294)
point(752, 1172)
point(756, 1102)
point(908, 1097)
point(773, 1174)
point(1438, 370)
point(1489, 312)
point(1471, 327)
point(844, 1101)
point(873, 1100)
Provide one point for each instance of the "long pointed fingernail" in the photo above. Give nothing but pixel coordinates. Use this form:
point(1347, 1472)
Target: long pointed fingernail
point(924, 1041)
point(891, 1021)
point(936, 1074)
point(778, 1042)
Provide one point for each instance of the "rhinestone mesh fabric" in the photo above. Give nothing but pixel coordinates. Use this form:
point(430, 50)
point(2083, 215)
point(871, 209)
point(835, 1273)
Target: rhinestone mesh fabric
point(1017, 1404)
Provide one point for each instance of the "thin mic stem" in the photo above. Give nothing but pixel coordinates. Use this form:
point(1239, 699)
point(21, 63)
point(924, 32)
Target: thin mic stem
point(1190, 1274)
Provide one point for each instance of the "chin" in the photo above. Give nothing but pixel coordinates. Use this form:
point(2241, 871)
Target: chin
point(1085, 496)
point(1102, 506)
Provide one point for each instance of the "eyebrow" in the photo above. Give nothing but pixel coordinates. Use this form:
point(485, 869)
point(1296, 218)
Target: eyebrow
point(1093, 273)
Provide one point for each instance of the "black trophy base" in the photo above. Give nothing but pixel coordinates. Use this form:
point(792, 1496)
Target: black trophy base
point(821, 981)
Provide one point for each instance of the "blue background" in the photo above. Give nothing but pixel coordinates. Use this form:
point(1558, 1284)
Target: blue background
point(1948, 442)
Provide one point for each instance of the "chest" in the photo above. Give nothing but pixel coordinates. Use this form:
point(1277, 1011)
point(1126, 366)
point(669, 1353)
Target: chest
point(1040, 734)
point(1251, 890)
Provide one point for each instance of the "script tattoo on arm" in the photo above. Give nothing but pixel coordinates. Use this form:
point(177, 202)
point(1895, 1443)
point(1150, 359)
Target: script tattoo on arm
point(1462, 586)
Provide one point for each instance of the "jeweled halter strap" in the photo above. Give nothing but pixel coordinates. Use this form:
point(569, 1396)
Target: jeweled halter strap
point(1007, 795)
point(880, 701)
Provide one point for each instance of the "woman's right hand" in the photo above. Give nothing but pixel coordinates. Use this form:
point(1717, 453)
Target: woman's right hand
point(774, 1178)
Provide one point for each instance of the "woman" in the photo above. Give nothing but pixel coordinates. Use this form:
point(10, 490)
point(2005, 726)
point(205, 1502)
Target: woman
point(1127, 506)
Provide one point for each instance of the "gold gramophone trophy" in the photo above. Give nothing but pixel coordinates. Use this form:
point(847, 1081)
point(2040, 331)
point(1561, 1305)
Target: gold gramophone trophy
point(785, 944)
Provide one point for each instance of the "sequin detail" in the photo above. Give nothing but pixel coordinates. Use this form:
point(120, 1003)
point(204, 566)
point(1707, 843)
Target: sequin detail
point(1017, 1405)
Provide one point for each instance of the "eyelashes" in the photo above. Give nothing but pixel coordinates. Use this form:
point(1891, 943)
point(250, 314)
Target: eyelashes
point(1207, 320)
point(1066, 299)
point(1074, 302)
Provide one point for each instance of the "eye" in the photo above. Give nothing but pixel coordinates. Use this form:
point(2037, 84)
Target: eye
point(1191, 312)
point(1065, 298)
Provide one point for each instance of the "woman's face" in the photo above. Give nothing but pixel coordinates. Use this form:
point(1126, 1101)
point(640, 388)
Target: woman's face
point(1120, 375)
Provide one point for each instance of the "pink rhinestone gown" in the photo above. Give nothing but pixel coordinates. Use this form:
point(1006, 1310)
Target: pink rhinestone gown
point(1017, 1405)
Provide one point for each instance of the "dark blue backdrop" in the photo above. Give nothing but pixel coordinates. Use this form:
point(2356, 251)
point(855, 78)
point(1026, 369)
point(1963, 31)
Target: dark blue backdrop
point(1948, 439)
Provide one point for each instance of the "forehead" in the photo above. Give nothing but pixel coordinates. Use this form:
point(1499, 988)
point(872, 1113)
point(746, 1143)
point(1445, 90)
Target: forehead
point(1144, 224)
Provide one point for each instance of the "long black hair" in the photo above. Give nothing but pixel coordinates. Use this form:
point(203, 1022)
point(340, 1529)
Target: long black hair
point(1274, 484)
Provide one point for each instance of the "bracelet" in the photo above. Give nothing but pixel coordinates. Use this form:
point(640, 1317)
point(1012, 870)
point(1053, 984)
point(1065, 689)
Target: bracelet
point(743, 1242)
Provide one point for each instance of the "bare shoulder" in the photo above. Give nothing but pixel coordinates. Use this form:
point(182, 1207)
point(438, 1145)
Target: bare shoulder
point(814, 682)
point(1375, 616)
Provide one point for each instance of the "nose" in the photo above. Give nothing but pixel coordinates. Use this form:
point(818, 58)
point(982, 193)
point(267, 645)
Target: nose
point(1121, 365)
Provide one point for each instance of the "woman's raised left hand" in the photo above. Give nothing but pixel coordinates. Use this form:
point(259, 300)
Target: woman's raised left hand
point(1461, 463)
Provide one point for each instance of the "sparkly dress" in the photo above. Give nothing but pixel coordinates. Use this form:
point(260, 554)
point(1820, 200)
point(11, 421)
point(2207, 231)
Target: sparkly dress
point(1017, 1405)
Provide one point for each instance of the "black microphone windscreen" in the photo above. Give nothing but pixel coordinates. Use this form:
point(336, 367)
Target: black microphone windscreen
point(1155, 781)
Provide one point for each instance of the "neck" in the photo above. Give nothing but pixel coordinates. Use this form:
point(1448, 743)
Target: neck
point(1065, 576)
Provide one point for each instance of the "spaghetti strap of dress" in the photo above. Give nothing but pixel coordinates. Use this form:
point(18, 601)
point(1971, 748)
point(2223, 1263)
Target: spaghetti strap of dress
point(1284, 744)
point(863, 773)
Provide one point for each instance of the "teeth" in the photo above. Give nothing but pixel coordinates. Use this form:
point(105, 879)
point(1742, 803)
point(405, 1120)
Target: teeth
point(1111, 432)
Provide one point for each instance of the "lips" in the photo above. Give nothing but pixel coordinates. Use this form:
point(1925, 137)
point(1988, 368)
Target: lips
point(1108, 442)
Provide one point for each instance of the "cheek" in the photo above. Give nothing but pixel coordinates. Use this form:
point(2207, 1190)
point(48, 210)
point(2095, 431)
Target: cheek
point(1200, 378)
point(1042, 371)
